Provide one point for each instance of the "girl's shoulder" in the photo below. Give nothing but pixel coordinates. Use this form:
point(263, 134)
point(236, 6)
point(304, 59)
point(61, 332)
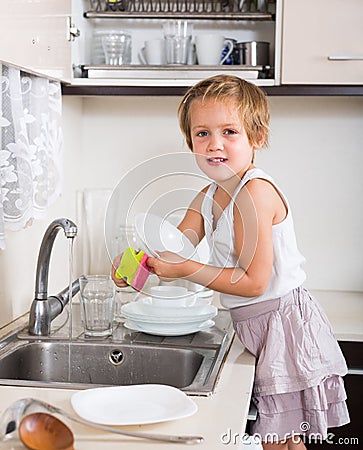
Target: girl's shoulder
point(265, 197)
point(259, 183)
point(258, 189)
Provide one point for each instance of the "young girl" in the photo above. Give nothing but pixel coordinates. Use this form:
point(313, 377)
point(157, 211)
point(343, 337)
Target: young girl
point(256, 266)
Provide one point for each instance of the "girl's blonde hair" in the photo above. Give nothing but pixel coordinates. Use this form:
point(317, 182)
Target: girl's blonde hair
point(251, 105)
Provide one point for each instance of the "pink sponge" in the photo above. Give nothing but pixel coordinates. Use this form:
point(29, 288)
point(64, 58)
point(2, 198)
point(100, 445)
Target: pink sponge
point(133, 268)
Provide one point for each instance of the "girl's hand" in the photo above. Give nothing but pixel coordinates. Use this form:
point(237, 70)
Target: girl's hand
point(116, 262)
point(168, 265)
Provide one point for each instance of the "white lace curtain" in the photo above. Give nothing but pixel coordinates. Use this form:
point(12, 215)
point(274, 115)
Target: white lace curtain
point(31, 148)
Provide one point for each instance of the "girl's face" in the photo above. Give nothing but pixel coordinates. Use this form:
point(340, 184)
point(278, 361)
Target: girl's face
point(219, 139)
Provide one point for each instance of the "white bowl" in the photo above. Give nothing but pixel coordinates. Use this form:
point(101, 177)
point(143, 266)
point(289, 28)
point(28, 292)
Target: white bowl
point(147, 307)
point(168, 291)
point(171, 296)
point(181, 302)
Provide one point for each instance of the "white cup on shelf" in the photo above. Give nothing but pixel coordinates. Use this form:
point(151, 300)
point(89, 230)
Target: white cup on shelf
point(153, 52)
point(209, 49)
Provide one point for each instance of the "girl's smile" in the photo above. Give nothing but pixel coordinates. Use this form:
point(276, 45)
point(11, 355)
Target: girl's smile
point(216, 161)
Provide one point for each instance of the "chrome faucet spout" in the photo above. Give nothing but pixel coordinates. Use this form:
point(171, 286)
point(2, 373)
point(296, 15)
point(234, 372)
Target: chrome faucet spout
point(41, 281)
point(44, 309)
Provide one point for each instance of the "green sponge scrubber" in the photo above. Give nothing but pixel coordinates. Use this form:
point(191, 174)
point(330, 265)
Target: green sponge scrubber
point(133, 268)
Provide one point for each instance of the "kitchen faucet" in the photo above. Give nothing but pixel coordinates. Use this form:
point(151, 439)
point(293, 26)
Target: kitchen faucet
point(43, 308)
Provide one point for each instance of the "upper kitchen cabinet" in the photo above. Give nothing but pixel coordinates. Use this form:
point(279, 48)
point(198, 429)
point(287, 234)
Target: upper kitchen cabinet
point(36, 35)
point(322, 42)
point(242, 21)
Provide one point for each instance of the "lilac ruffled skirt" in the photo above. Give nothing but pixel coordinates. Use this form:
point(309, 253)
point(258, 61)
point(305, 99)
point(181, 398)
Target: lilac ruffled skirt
point(299, 367)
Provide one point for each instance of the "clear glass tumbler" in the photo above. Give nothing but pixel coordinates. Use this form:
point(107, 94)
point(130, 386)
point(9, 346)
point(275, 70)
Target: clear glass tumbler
point(178, 37)
point(97, 294)
point(117, 48)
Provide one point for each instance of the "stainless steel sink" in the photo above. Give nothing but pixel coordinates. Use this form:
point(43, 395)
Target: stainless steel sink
point(106, 364)
point(191, 363)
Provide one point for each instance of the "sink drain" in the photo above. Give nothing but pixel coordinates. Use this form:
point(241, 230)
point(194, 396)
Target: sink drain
point(116, 357)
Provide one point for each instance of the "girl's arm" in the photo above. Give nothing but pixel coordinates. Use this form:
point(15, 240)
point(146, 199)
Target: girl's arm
point(256, 209)
point(192, 225)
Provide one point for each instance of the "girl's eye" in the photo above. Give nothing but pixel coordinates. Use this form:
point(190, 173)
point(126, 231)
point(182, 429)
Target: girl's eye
point(230, 132)
point(202, 133)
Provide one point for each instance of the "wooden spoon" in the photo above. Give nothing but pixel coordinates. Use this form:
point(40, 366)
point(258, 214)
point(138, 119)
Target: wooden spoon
point(42, 431)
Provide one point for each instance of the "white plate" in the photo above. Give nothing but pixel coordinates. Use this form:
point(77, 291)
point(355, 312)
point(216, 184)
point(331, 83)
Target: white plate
point(133, 405)
point(160, 330)
point(136, 311)
point(159, 235)
point(205, 293)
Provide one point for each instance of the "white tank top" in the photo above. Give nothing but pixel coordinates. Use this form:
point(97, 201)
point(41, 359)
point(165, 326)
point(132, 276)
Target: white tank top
point(287, 272)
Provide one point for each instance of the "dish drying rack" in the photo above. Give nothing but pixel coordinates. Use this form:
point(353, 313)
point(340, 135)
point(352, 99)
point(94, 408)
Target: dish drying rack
point(181, 9)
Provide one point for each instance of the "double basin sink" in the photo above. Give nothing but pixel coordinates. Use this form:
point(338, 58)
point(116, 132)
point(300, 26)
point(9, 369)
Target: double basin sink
point(191, 363)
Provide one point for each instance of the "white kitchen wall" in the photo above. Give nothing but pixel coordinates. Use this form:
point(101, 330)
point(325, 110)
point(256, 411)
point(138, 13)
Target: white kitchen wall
point(315, 155)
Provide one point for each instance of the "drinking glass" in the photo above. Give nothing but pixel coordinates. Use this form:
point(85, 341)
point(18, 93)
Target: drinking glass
point(117, 48)
point(178, 37)
point(97, 293)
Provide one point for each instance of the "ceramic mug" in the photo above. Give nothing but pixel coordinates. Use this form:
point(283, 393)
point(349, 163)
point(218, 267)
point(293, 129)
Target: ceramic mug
point(209, 49)
point(153, 52)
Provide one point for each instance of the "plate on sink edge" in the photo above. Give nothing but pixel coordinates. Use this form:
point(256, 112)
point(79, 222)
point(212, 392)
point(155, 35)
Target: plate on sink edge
point(138, 404)
point(169, 331)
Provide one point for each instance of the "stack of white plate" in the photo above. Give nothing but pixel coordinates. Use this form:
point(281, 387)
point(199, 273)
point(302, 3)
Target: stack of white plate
point(144, 315)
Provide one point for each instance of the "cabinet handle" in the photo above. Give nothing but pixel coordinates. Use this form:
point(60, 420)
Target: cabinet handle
point(345, 58)
point(72, 31)
point(355, 371)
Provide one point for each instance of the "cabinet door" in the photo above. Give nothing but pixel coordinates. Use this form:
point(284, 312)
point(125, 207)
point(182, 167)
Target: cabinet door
point(322, 42)
point(350, 436)
point(34, 36)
